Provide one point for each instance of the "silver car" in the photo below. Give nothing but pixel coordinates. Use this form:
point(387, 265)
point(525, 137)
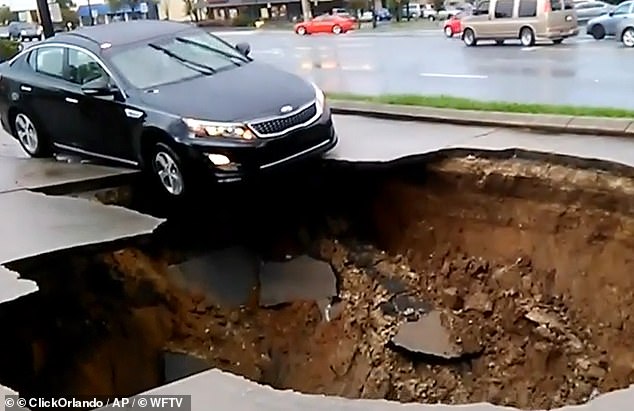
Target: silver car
point(590, 9)
point(625, 31)
point(606, 25)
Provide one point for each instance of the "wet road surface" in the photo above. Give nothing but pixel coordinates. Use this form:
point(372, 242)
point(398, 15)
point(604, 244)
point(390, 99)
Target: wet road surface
point(581, 71)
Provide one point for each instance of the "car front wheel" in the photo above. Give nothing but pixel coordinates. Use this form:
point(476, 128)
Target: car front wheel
point(628, 37)
point(168, 170)
point(448, 32)
point(33, 142)
point(598, 32)
point(301, 30)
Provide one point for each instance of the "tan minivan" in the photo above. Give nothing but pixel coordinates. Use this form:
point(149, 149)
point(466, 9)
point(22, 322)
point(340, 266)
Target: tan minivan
point(526, 20)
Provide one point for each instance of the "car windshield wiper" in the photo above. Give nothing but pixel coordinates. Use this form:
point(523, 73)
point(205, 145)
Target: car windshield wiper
point(196, 66)
point(231, 57)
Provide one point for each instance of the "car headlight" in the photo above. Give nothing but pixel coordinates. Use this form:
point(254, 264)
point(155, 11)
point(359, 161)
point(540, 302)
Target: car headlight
point(319, 95)
point(209, 129)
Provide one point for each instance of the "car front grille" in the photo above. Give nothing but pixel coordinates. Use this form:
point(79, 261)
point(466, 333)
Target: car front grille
point(281, 124)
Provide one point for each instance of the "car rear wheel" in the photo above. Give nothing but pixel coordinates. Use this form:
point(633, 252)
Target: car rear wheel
point(301, 31)
point(33, 142)
point(628, 37)
point(448, 32)
point(168, 169)
point(598, 32)
point(336, 29)
point(527, 37)
point(469, 38)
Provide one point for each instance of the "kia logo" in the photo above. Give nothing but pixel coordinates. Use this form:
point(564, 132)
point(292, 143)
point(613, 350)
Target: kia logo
point(286, 109)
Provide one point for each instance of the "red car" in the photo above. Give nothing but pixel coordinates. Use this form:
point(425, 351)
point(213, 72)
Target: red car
point(326, 23)
point(453, 25)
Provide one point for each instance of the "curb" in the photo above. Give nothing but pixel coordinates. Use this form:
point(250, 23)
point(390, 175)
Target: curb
point(617, 127)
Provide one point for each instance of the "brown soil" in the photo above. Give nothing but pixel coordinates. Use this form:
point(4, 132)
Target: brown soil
point(529, 263)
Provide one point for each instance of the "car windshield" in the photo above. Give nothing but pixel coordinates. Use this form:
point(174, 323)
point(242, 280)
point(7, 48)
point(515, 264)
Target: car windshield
point(175, 59)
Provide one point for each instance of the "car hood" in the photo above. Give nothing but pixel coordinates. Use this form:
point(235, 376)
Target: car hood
point(244, 93)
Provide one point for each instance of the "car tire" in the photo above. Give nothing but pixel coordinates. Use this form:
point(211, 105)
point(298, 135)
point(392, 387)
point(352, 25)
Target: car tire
point(598, 32)
point(448, 32)
point(627, 38)
point(469, 38)
point(32, 138)
point(302, 31)
point(336, 29)
point(168, 171)
point(431, 18)
point(527, 37)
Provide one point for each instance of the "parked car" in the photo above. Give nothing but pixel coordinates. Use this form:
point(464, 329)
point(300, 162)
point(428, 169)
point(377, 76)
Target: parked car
point(453, 25)
point(606, 25)
point(20, 30)
point(527, 20)
point(366, 16)
point(4, 32)
point(591, 9)
point(383, 15)
point(625, 31)
point(325, 23)
point(165, 97)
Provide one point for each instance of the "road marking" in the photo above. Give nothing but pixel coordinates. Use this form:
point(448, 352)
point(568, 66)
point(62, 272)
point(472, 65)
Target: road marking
point(275, 52)
point(446, 75)
point(233, 33)
point(364, 67)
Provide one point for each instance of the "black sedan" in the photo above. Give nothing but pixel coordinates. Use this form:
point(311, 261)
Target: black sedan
point(165, 97)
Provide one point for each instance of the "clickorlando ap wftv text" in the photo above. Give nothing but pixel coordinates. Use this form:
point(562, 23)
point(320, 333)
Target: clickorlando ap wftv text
point(180, 403)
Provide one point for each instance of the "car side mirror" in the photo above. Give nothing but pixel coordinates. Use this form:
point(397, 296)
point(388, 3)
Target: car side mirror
point(244, 48)
point(99, 87)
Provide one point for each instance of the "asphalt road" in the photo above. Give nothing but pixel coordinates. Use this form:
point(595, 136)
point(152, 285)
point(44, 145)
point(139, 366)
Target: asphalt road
point(581, 71)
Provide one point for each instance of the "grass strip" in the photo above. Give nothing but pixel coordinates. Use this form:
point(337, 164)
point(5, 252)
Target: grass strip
point(460, 103)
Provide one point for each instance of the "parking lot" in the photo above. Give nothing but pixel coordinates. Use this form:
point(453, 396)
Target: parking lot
point(581, 71)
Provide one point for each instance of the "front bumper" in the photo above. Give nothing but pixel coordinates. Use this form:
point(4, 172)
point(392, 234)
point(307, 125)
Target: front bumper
point(251, 158)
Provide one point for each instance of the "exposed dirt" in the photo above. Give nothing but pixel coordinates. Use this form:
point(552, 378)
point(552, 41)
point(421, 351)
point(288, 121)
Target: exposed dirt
point(530, 265)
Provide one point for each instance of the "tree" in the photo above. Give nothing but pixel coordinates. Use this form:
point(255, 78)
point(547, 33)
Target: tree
point(5, 15)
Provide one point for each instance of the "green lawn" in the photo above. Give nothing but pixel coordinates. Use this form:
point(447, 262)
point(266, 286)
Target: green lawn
point(460, 103)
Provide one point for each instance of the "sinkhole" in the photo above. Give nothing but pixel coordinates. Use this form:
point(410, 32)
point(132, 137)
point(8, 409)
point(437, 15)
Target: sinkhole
point(458, 279)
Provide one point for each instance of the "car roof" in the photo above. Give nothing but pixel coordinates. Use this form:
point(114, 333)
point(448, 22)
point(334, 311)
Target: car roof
point(122, 33)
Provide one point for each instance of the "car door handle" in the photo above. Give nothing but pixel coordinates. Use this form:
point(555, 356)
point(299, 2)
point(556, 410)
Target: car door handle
point(25, 88)
point(71, 100)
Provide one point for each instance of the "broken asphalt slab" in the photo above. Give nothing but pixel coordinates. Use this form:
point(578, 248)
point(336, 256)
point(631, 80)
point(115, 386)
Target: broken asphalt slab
point(363, 140)
point(300, 279)
point(540, 122)
point(228, 276)
point(427, 336)
point(33, 174)
point(222, 391)
point(13, 287)
point(34, 224)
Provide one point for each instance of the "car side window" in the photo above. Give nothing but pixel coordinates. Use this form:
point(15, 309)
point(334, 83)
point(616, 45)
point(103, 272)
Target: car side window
point(82, 68)
point(504, 9)
point(623, 8)
point(482, 8)
point(527, 8)
point(50, 61)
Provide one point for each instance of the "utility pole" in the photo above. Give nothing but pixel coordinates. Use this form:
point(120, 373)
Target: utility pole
point(92, 19)
point(45, 18)
point(306, 9)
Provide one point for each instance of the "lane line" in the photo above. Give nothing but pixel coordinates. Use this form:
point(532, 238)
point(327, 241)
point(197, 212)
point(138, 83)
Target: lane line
point(447, 75)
